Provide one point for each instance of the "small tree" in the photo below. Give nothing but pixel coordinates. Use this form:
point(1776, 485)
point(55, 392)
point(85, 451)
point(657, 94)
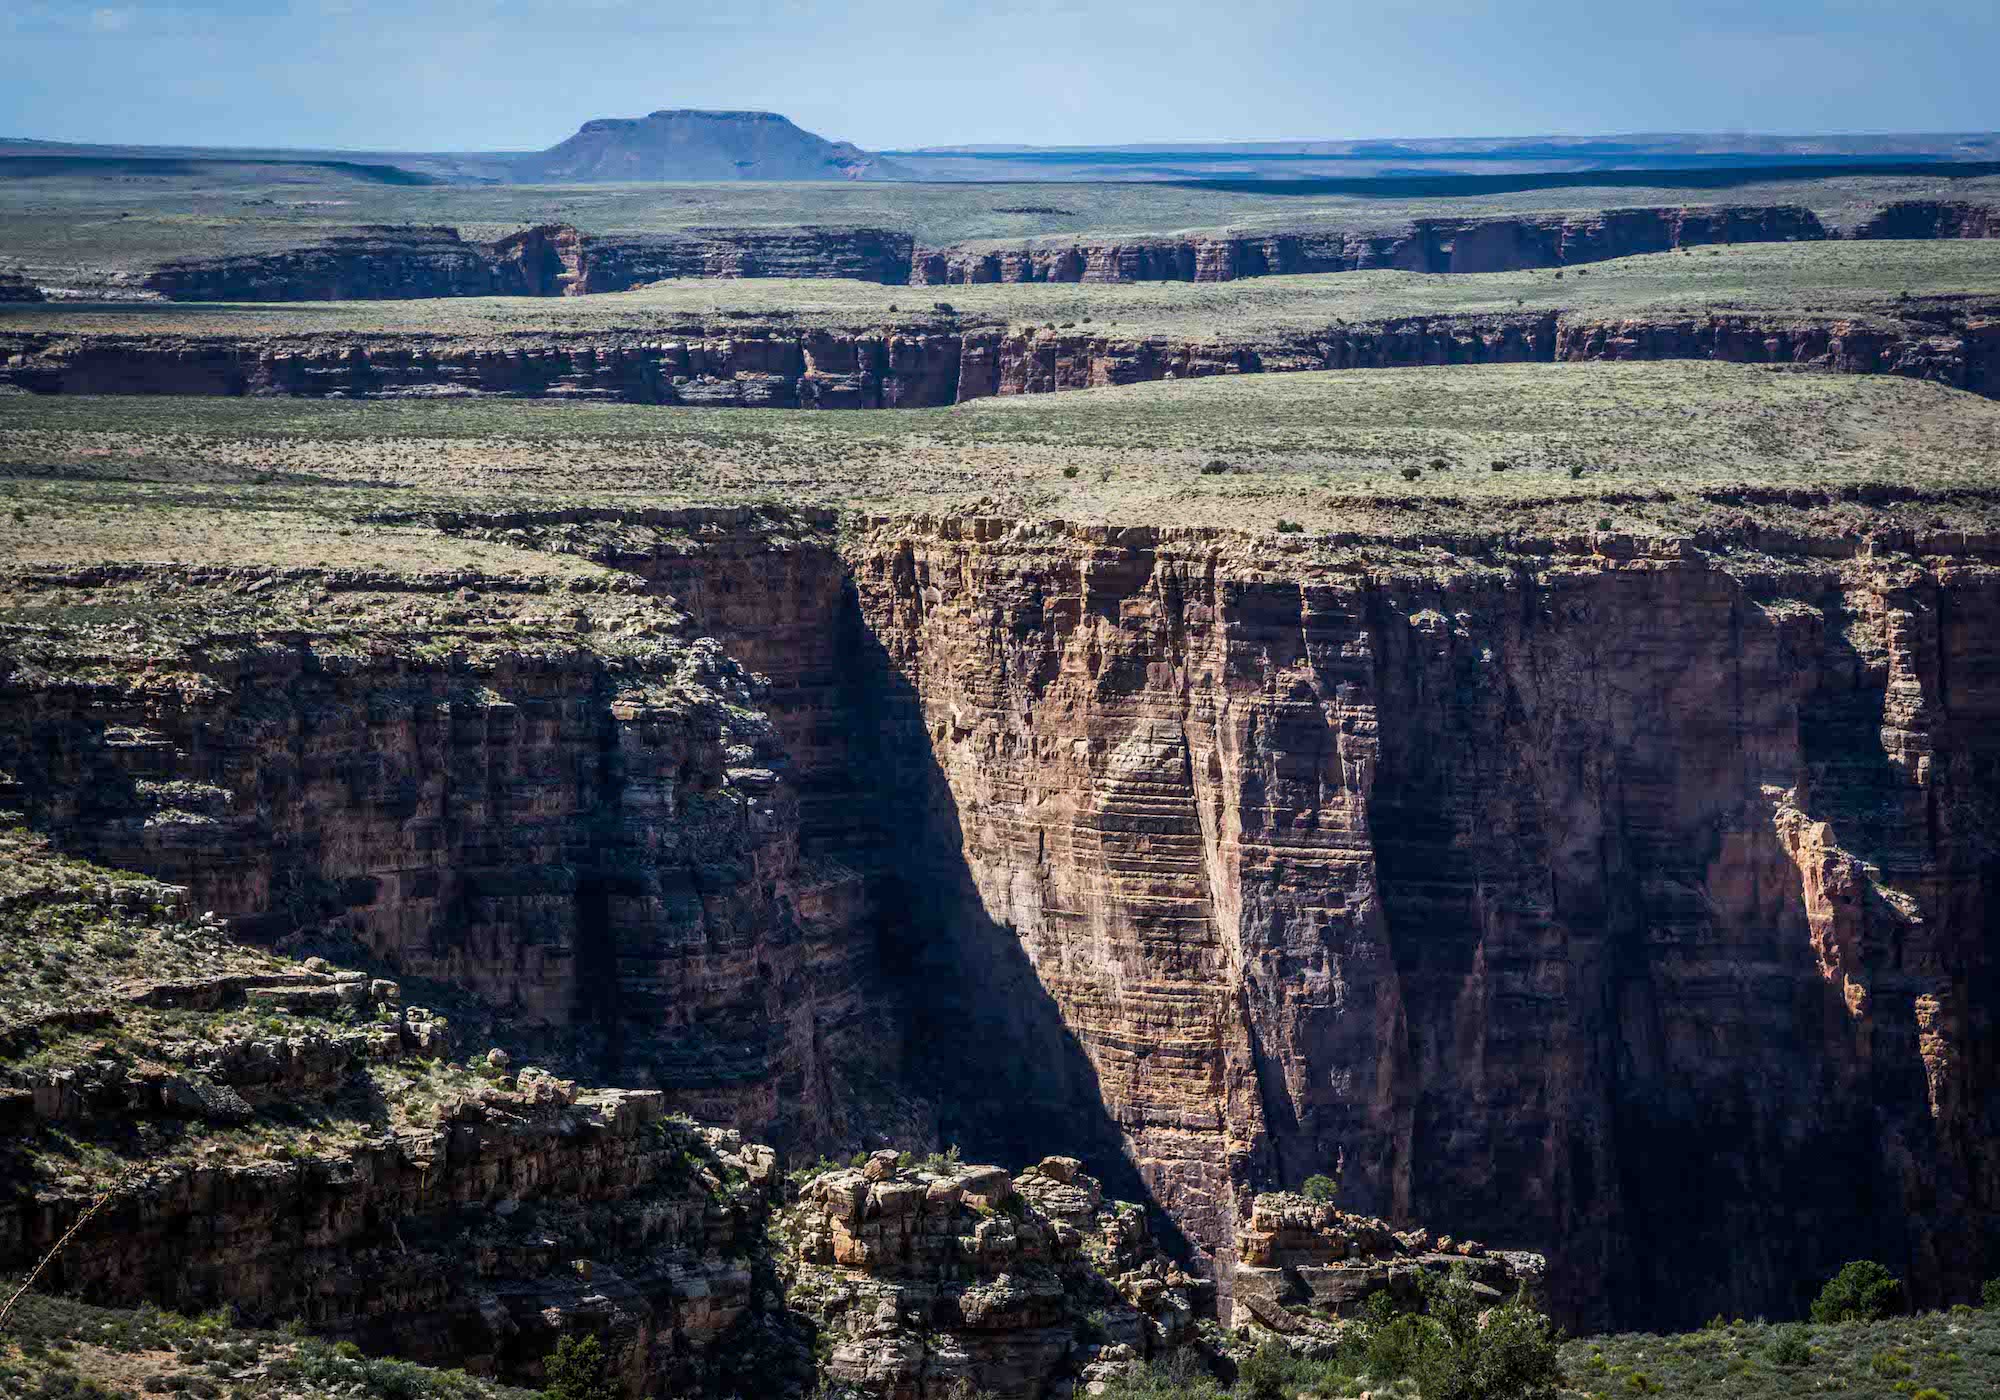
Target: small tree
point(575, 1371)
point(1320, 1188)
point(1512, 1355)
point(1264, 1373)
point(1990, 1295)
point(1861, 1292)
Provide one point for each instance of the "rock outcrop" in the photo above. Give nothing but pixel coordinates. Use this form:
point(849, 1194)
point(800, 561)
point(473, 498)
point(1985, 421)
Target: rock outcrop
point(922, 1277)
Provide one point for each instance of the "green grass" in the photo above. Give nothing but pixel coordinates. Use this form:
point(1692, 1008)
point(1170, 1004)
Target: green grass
point(55, 1347)
point(1955, 1353)
point(1799, 281)
point(162, 478)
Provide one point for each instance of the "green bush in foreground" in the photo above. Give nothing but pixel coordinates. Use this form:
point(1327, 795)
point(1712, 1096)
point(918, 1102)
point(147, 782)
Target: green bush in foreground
point(1513, 1356)
point(576, 1371)
point(1863, 1291)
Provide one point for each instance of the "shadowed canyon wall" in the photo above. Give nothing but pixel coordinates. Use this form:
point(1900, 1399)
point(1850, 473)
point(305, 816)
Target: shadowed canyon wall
point(1637, 902)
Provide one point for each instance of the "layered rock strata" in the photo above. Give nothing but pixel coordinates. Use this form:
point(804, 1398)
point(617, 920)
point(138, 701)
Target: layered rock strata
point(392, 262)
point(1495, 882)
point(1931, 218)
point(921, 1279)
point(1953, 341)
point(1301, 1264)
point(1425, 245)
point(400, 263)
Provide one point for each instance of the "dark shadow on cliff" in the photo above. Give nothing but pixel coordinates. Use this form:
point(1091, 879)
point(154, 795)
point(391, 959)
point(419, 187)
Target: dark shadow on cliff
point(983, 1038)
point(1666, 1181)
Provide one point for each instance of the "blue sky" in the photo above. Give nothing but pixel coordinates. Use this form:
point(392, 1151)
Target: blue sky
point(513, 74)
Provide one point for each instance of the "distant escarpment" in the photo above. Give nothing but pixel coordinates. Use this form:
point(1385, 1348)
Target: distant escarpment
point(1931, 218)
point(1427, 245)
point(401, 263)
point(1952, 341)
point(15, 287)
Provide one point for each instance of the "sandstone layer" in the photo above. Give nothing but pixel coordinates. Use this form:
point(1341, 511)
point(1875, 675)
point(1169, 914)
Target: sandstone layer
point(1953, 341)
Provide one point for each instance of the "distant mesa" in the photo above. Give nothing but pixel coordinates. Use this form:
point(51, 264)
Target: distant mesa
point(692, 144)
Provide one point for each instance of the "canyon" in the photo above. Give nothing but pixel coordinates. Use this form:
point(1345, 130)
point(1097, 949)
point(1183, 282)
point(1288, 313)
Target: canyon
point(1950, 340)
point(1486, 878)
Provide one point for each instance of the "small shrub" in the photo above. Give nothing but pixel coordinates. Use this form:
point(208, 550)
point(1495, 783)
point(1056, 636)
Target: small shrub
point(1888, 1365)
point(576, 1371)
point(1863, 1291)
point(1320, 1188)
point(1512, 1355)
point(1412, 473)
point(1215, 468)
point(1989, 1296)
point(1790, 1348)
point(1290, 527)
point(1263, 1373)
point(1070, 473)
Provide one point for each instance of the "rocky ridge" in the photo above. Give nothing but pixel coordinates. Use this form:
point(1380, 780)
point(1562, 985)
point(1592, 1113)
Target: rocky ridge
point(406, 262)
point(401, 263)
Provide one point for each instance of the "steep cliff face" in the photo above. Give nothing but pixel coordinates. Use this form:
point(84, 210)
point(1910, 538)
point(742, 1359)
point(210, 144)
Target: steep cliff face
point(1426, 245)
point(1931, 218)
point(1497, 887)
point(387, 263)
point(1952, 341)
point(617, 262)
point(402, 263)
